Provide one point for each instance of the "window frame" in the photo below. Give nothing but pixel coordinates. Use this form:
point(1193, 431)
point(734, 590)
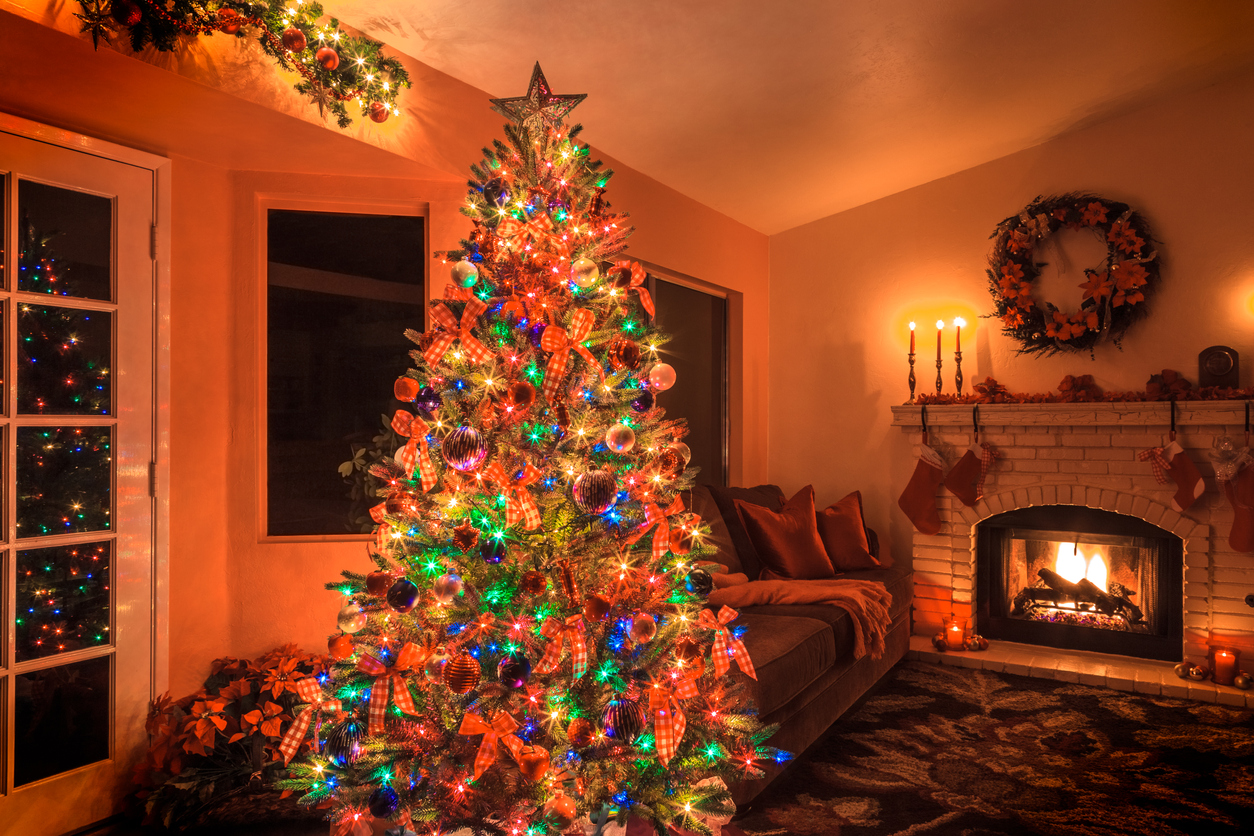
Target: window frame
point(335, 205)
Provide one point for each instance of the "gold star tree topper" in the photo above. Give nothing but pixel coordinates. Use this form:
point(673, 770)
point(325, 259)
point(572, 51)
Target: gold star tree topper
point(540, 108)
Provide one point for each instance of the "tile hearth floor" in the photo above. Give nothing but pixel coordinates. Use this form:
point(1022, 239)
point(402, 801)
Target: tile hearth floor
point(1122, 673)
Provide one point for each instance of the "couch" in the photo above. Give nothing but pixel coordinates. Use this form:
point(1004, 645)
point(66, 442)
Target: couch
point(803, 654)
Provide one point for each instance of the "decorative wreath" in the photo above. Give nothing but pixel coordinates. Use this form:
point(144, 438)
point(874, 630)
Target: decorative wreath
point(1115, 293)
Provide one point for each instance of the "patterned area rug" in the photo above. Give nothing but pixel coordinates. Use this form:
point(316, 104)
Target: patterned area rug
point(944, 750)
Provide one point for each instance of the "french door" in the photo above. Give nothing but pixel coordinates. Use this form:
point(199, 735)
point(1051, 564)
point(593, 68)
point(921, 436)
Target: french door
point(76, 511)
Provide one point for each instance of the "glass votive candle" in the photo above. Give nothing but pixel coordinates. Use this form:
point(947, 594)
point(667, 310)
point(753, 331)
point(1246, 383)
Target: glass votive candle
point(1225, 667)
point(956, 633)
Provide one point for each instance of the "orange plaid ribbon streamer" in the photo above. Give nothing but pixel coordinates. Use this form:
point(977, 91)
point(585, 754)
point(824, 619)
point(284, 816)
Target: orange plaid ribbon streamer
point(638, 277)
point(452, 330)
point(453, 293)
point(383, 680)
point(501, 729)
point(556, 631)
point(534, 229)
point(669, 722)
point(723, 639)
point(662, 534)
point(310, 691)
point(415, 452)
point(519, 503)
point(560, 343)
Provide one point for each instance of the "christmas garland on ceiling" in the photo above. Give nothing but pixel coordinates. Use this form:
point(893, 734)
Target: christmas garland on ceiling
point(1115, 292)
point(335, 68)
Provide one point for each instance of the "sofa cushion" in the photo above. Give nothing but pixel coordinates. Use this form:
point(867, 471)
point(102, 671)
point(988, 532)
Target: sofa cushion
point(768, 496)
point(788, 654)
point(787, 540)
point(699, 502)
point(844, 535)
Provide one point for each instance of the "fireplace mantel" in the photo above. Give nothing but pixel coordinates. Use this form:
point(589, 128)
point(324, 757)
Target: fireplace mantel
point(1149, 413)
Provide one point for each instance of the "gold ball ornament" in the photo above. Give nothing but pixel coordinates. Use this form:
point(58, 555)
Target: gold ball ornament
point(446, 588)
point(402, 503)
point(938, 642)
point(352, 619)
point(620, 438)
point(584, 272)
point(1182, 670)
point(684, 451)
point(1243, 681)
point(462, 673)
point(670, 464)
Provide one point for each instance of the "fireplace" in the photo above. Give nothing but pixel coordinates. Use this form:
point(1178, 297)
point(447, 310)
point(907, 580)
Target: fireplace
point(1080, 578)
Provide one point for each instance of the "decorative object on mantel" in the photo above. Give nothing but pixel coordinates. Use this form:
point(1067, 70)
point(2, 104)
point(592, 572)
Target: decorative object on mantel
point(918, 500)
point(1168, 385)
point(334, 67)
point(911, 379)
point(1114, 294)
point(1218, 366)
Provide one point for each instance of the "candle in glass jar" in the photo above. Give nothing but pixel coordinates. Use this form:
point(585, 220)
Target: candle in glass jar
point(912, 338)
point(1225, 666)
point(940, 326)
point(955, 630)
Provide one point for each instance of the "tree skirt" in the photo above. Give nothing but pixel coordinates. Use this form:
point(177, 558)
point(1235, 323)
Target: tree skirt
point(946, 750)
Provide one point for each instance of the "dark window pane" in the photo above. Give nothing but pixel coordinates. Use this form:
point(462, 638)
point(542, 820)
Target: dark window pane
point(63, 480)
point(64, 357)
point(342, 291)
point(61, 719)
point(62, 599)
point(4, 262)
point(697, 325)
point(65, 242)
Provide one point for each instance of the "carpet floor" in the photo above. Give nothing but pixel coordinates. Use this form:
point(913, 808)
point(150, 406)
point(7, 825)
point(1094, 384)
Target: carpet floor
point(946, 750)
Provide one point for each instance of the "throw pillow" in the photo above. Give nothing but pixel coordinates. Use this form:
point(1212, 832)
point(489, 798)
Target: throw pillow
point(843, 532)
point(787, 540)
point(768, 496)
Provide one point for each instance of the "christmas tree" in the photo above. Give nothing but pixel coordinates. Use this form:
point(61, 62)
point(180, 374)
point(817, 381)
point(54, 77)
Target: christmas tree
point(533, 646)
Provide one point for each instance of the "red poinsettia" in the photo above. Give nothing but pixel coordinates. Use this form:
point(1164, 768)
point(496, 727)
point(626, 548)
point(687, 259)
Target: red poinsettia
point(1098, 287)
point(1012, 271)
point(280, 675)
point(1013, 317)
point(1128, 276)
point(1082, 388)
point(267, 719)
point(1123, 236)
point(1019, 241)
point(1065, 327)
point(1093, 214)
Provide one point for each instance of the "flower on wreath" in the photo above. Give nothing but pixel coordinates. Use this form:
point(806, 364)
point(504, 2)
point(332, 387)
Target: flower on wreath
point(1013, 317)
point(1093, 214)
point(1066, 326)
point(1123, 236)
point(1019, 241)
point(1129, 277)
point(1098, 287)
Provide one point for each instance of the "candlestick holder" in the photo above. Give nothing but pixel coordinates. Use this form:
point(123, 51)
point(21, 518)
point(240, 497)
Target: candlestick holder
point(939, 383)
point(958, 373)
point(911, 378)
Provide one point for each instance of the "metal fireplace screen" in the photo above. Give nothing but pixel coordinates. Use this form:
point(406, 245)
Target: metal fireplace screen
point(1080, 578)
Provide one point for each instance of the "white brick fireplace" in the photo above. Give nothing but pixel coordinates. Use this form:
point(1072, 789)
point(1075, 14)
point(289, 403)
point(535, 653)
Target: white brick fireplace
point(1086, 454)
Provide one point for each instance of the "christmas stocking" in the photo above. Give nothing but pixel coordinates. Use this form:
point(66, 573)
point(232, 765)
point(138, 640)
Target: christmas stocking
point(918, 500)
point(1240, 492)
point(1172, 459)
point(966, 478)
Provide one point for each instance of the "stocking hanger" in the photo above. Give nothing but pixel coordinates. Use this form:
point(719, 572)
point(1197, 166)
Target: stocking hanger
point(975, 421)
point(1247, 424)
point(1173, 419)
point(923, 418)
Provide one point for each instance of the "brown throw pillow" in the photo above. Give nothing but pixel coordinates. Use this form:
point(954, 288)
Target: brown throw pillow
point(843, 533)
point(787, 540)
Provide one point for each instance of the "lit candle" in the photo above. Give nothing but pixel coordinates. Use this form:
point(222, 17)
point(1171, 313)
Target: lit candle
point(1225, 666)
point(958, 323)
point(912, 338)
point(940, 326)
point(955, 628)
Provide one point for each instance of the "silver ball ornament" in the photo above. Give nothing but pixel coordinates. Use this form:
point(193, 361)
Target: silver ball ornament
point(620, 438)
point(643, 629)
point(584, 272)
point(684, 451)
point(446, 588)
point(433, 668)
point(465, 273)
point(352, 619)
point(662, 376)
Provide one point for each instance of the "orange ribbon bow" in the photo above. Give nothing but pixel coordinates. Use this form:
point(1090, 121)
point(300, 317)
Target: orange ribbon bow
point(557, 631)
point(310, 691)
point(501, 729)
point(395, 681)
point(415, 452)
point(724, 639)
point(669, 722)
point(662, 534)
point(519, 503)
point(452, 330)
point(560, 343)
point(534, 229)
point(638, 277)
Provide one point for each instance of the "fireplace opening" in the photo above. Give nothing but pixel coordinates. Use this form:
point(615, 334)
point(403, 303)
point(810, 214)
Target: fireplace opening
point(1080, 578)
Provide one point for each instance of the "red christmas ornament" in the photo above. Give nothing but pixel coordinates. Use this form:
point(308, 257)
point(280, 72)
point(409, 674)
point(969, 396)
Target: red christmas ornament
point(624, 354)
point(533, 762)
point(465, 537)
point(670, 463)
point(462, 673)
point(562, 810)
point(405, 388)
point(580, 732)
point(378, 112)
point(327, 57)
point(402, 502)
point(294, 39)
point(619, 277)
point(230, 21)
point(378, 583)
point(681, 541)
point(596, 607)
point(533, 582)
point(126, 12)
point(340, 647)
point(520, 395)
point(691, 655)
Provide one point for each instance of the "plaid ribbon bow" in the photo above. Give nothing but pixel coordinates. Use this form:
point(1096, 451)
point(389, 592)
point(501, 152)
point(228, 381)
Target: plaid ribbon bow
point(383, 680)
point(415, 452)
point(310, 691)
point(533, 230)
point(556, 631)
point(455, 293)
point(519, 503)
point(501, 729)
point(560, 343)
point(1158, 463)
point(638, 277)
point(986, 464)
point(724, 639)
point(669, 722)
point(452, 330)
point(662, 534)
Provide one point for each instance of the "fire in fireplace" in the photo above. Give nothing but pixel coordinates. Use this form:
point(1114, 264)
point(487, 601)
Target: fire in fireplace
point(1080, 578)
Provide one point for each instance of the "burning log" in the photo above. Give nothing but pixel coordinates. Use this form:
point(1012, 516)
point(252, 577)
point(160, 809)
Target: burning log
point(1123, 595)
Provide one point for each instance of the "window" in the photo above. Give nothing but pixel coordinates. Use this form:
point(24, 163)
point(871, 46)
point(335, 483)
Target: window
point(342, 290)
point(696, 321)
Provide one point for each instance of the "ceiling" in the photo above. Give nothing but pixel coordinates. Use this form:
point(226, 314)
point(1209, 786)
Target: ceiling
point(780, 113)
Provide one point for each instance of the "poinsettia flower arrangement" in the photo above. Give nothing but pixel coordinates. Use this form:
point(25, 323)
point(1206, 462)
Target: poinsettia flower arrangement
point(222, 739)
point(1167, 386)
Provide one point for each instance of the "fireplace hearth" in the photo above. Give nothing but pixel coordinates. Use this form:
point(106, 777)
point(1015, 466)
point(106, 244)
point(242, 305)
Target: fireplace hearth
point(1080, 578)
